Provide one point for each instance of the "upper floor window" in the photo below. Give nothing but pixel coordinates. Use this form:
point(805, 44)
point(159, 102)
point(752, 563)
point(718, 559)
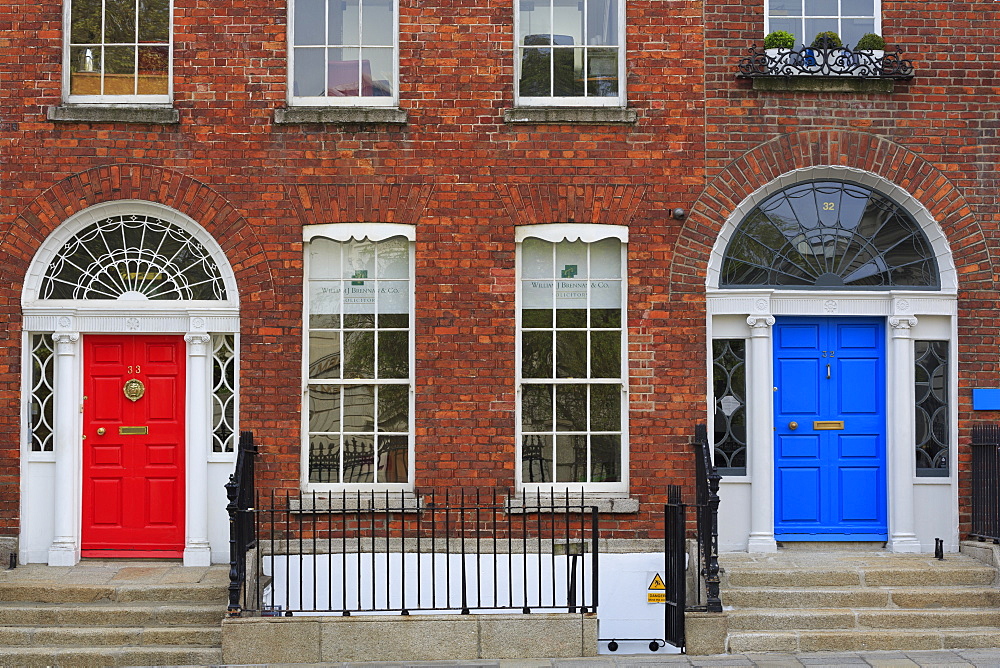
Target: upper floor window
point(572, 366)
point(119, 51)
point(570, 52)
point(805, 18)
point(359, 375)
point(344, 52)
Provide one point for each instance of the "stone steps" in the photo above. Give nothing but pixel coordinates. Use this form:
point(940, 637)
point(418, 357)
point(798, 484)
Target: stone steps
point(798, 601)
point(107, 614)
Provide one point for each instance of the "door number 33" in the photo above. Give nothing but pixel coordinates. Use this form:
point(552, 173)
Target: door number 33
point(137, 368)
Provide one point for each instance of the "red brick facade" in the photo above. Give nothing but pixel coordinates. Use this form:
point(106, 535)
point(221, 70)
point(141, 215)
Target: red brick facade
point(702, 142)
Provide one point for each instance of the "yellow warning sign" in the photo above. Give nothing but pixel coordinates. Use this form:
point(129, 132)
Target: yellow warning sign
point(657, 590)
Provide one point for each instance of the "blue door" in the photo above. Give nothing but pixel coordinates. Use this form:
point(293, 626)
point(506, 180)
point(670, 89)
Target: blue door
point(829, 429)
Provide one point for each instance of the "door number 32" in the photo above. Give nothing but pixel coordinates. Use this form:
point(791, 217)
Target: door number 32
point(828, 353)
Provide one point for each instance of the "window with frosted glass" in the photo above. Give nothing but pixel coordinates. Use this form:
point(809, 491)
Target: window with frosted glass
point(343, 51)
point(119, 50)
point(571, 366)
point(569, 49)
point(850, 19)
point(358, 352)
point(729, 383)
point(931, 407)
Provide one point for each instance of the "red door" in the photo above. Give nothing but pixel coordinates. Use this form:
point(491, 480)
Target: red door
point(133, 450)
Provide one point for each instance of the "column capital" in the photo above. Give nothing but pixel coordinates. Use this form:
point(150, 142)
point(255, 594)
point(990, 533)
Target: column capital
point(901, 326)
point(760, 325)
point(197, 343)
point(65, 342)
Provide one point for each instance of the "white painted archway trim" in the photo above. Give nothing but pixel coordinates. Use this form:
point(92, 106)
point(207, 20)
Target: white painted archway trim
point(69, 321)
point(903, 310)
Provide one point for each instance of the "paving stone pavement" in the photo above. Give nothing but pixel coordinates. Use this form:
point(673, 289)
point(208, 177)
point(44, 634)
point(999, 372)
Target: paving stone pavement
point(935, 658)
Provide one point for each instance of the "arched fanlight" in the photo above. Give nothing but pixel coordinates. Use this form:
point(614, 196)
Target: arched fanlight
point(830, 235)
point(133, 257)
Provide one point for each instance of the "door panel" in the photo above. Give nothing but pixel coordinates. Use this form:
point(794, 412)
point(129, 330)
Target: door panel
point(133, 483)
point(830, 483)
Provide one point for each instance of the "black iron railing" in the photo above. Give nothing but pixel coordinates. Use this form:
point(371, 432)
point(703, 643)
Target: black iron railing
point(364, 552)
point(242, 539)
point(986, 482)
point(707, 486)
point(830, 62)
point(675, 567)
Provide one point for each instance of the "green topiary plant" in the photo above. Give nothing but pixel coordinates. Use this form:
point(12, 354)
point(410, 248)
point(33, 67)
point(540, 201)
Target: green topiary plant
point(827, 39)
point(870, 42)
point(779, 39)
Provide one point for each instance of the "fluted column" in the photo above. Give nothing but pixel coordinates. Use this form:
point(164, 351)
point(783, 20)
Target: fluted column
point(760, 437)
point(901, 438)
point(65, 548)
point(197, 550)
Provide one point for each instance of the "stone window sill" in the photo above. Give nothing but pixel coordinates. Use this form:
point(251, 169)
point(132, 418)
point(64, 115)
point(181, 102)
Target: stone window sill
point(818, 84)
point(571, 115)
point(532, 503)
point(398, 502)
point(92, 113)
point(341, 115)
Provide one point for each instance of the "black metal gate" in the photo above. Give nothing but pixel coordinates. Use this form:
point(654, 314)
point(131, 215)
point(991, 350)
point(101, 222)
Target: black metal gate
point(986, 482)
point(674, 567)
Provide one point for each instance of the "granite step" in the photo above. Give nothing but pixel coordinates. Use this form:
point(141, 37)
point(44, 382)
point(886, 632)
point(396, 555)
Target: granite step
point(848, 640)
point(84, 614)
point(863, 597)
point(860, 619)
point(43, 592)
point(125, 636)
point(76, 657)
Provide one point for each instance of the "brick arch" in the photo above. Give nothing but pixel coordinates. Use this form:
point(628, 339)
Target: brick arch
point(887, 159)
point(132, 181)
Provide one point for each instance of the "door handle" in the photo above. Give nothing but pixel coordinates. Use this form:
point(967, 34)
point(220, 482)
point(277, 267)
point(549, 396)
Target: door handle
point(793, 425)
point(100, 431)
point(828, 372)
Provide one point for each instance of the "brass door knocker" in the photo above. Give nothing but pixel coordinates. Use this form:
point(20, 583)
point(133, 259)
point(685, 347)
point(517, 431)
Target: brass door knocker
point(134, 389)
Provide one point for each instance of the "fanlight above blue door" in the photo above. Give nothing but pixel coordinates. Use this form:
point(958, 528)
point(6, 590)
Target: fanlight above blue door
point(829, 235)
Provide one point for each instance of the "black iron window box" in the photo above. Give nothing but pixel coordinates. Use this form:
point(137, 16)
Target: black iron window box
point(837, 68)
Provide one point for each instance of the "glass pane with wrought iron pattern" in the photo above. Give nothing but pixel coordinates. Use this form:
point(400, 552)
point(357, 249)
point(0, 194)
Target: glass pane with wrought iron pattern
point(932, 407)
point(832, 235)
point(40, 419)
point(729, 390)
point(223, 393)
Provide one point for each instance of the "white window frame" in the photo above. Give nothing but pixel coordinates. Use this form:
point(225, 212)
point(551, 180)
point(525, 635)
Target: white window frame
point(807, 39)
point(114, 99)
point(327, 101)
point(342, 233)
point(556, 233)
point(584, 100)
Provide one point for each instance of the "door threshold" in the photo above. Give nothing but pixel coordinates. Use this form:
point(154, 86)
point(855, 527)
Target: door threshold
point(132, 554)
point(832, 545)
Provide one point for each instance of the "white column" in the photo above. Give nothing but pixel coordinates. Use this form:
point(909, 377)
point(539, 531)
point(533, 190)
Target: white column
point(197, 550)
point(901, 438)
point(65, 548)
point(760, 435)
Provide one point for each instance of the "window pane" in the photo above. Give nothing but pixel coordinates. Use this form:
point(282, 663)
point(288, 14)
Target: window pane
point(119, 21)
point(535, 317)
point(308, 28)
point(816, 26)
point(602, 22)
point(605, 458)
point(571, 354)
point(119, 70)
point(324, 299)
point(571, 407)
point(535, 21)
point(853, 29)
point(605, 354)
point(359, 407)
point(571, 458)
point(931, 397)
point(605, 408)
point(394, 408)
point(377, 23)
point(393, 458)
point(344, 23)
point(154, 20)
point(393, 297)
point(359, 354)
point(391, 320)
point(536, 354)
point(606, 317)
point(324, 459)
point(793, 26)
point(85, 22)
point(536, 259)
point(567, 72)
point(822, 8)
point(729, 390)
point(376, 71)
point(359, 459)
point(393, 258)
point(602, 72)
point(308, 78)
point(857, 7)
point(567, 18)
point(536, 76)
point(393, 355)
point(571, 317)
point(324, 254)
point(85, 70)
point(536, 459)
point(785, 7)
point(536, 408)
point(153, 64)
point(324, 408)
point(324, 355)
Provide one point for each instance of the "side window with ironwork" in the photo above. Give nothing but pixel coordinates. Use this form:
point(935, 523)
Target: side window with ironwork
point(359, 371)
point(41, 381)
point(223, 392)
point(570, 52)
point(831, 235)
point(850, 19)
point(931, 401)
point(729, 386)
point(571, 364)
point(119, 51)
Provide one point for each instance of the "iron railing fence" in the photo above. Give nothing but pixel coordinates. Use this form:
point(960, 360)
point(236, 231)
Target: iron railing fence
point(986, 482)
point(394, 552)
point(707, 481)
point(242, 539)
point(675, 567)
